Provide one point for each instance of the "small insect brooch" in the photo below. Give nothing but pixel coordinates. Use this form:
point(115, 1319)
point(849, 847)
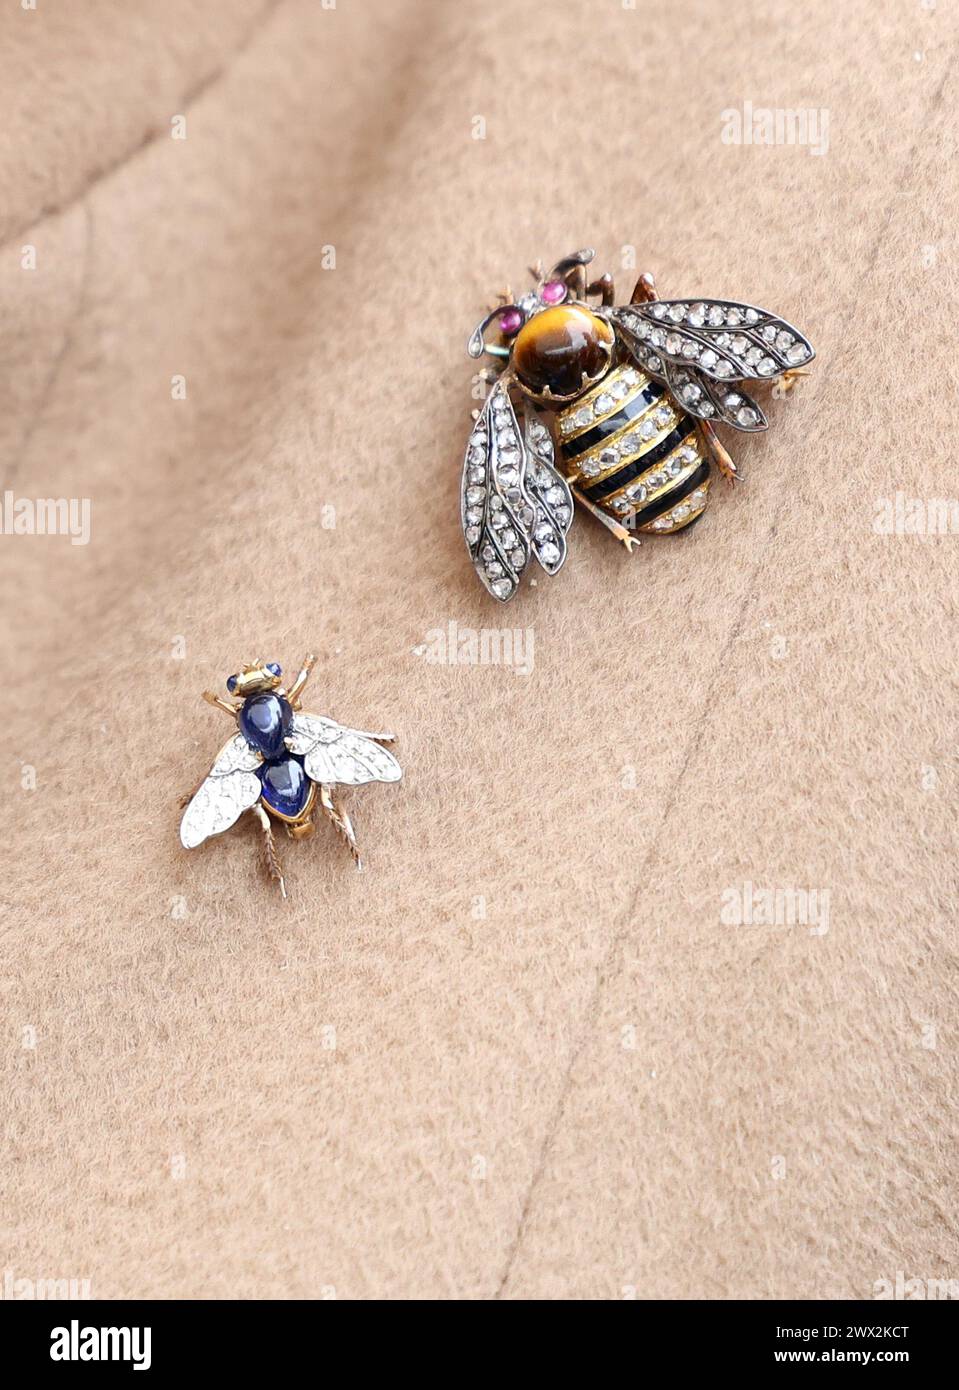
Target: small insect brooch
point(281, 763)
point(614, 407)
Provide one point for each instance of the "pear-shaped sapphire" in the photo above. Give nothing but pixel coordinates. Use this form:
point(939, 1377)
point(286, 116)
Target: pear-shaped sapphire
point(286, 786)
point(265, 722)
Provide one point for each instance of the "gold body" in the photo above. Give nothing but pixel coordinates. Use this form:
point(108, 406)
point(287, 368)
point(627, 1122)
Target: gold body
point(630, 450)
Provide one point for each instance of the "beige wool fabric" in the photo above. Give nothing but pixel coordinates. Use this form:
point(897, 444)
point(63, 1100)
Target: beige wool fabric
point(527, 1053)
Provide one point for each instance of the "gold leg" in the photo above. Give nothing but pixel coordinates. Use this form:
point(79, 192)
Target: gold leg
point(727, 469)
point(605, 288)
point(788, 380)
point(503, 297)
point(577, 282)
point(645, 291)
point(620, 532)
point(296, 689)
point(340, 820)
point(220, 703)
point(270, 855)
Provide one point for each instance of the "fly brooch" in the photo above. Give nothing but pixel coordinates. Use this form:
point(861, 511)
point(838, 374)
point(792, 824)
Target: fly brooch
point(613, 407)
point(281, 763)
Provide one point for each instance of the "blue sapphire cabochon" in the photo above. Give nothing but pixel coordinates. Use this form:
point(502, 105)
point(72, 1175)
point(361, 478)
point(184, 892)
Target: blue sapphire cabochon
point(265, 721)
point(286, 787)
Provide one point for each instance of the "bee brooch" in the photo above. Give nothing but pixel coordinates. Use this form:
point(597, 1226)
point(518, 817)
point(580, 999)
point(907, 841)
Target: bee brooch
point(281, 763)
point(610, 406)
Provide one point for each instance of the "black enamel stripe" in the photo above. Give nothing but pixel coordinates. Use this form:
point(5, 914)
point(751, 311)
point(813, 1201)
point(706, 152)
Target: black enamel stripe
point(633, 407)
point(632, 470)
point(671, 496)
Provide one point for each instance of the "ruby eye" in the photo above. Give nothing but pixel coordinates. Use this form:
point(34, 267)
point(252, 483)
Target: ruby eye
point(510, 322)
point(553, 292)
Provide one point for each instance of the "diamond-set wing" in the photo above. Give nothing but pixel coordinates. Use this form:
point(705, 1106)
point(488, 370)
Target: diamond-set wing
point(497, 514)
point(549, 494)
point(700, 347)
point(707, 400)
point(332, 753)
point(515, 504)
point(231, 788)
point(695, 393)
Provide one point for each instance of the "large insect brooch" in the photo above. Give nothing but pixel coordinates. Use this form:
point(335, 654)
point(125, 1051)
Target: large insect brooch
point(614, 407)
point(281, 764)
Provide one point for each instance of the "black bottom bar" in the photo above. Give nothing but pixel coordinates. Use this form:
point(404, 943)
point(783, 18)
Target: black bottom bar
point(250, 1339)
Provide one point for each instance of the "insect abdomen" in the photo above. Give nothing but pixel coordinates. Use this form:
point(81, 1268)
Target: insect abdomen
point(628, 446)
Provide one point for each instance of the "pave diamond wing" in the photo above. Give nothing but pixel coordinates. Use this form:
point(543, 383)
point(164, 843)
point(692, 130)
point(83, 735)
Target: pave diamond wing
point(700, 347)
point(514, 502)
point(497, 513)
point(696, 394)
point(332, 753)
point(231, 788)
point(707, 400)
point(549, 493)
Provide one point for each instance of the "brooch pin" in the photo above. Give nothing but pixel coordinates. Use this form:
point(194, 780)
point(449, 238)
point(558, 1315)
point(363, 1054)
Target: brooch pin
point(614, 407)
point(281, 763)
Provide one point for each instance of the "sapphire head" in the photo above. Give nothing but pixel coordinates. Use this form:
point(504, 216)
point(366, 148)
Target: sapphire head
point(274, 668)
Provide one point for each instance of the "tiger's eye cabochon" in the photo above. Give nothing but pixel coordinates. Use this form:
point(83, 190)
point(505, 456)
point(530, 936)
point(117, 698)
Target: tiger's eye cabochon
point(558, 346)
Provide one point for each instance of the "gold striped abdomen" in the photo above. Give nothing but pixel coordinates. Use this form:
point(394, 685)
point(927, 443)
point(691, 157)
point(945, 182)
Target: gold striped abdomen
point(628, 446)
